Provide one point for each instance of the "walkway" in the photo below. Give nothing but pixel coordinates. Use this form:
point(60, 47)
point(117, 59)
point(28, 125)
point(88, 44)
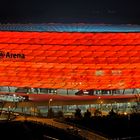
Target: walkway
point(87, 135)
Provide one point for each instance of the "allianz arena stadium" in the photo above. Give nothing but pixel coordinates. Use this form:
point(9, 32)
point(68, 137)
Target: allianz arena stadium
point(71, 64)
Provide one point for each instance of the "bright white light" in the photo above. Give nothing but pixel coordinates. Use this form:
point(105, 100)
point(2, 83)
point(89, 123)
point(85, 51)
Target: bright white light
point(125, 113)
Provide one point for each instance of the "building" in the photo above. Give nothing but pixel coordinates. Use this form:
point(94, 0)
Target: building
point(70, 57)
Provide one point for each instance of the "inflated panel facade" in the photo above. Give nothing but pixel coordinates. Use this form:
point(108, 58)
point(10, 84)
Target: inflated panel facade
point(70, 60)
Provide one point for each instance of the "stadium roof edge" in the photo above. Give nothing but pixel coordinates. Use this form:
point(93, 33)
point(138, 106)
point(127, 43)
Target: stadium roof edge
point(75, 27)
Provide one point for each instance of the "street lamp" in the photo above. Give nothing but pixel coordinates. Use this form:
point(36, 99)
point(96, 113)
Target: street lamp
point(9, 107)
point(50, 100)
point(101, 105)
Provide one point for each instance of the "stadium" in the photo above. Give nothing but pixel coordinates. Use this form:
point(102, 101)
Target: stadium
point(70, 65)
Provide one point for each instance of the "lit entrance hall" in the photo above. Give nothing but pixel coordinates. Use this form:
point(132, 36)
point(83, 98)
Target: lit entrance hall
point(37, 101)
point(41, 109)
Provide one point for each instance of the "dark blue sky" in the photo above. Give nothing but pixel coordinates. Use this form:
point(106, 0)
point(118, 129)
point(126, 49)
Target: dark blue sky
point(70, 11)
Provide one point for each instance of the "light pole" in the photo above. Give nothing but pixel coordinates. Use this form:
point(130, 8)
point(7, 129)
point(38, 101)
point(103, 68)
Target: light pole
point(50, 100)
point(9, 107)
point(49, 110)
point(101, 105)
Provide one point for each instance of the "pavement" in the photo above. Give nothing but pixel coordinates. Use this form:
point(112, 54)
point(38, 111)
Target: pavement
point(87, 135)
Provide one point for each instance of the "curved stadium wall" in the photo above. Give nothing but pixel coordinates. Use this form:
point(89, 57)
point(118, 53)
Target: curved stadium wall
point(75, 56)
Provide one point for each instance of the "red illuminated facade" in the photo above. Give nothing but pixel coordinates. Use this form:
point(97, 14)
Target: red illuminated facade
point(70, 60)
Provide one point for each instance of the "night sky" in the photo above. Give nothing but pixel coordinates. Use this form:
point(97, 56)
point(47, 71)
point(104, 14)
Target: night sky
point(70, 11)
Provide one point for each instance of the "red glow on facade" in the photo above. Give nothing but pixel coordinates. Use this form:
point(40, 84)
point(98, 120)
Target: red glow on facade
point(70, 60)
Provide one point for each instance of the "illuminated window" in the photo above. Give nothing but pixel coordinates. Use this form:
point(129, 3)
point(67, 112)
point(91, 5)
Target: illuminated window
point(99, 73)
point(116, 72)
